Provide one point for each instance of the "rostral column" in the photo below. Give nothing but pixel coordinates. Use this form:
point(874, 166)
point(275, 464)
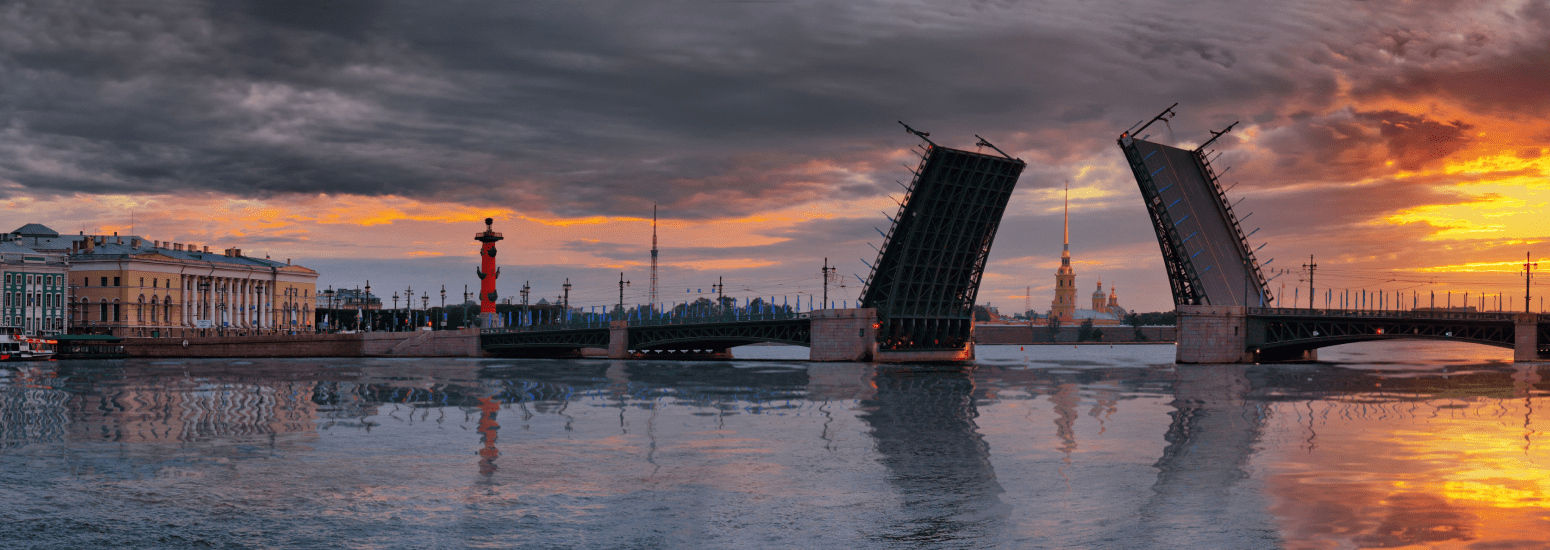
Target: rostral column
point(487, 275)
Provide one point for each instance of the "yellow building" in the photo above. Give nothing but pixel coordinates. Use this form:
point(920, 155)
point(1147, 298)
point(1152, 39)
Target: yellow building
point(129, 286)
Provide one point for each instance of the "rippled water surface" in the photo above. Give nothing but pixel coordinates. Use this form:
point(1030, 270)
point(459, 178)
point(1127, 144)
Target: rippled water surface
point(1385, 445)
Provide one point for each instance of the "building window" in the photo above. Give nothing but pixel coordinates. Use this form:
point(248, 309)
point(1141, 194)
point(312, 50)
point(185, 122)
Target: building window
point(142, 282)
point(29, 279)
point(116, 282)
point(7, 280)
point(118, 311)
point(104, 315)
point(104, 281)
point(155, 282)
point(140, 310)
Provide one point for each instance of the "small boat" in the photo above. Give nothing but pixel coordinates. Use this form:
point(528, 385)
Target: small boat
point(25, 348)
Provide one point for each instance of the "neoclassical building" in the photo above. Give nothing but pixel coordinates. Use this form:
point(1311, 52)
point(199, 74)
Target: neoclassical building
point(130, 286)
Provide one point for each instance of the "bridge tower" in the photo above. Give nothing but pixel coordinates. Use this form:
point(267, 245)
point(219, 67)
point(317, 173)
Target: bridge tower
point(488, 272)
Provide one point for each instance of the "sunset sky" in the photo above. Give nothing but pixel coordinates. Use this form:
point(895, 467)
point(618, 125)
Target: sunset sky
point(1404, 144)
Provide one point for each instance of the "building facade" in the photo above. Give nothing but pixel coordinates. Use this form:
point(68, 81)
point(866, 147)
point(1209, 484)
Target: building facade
point(130, 286)
point(34, 291)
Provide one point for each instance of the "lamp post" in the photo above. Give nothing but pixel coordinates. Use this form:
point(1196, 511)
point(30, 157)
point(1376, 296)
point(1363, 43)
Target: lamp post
point(622, 283)
point(409, 307)
point(465, 306)
point(443, 307)
point(394, 328)
point(330, 295)
point(204, 288)
point(368, 302)
point(524, 292)
point(425, 307)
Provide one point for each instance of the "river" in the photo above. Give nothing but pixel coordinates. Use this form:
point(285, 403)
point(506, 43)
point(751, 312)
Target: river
point(1395, 444)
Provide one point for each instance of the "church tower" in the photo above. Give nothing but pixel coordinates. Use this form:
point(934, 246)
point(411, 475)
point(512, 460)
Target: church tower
point(1064, 306)
point(1099, 299)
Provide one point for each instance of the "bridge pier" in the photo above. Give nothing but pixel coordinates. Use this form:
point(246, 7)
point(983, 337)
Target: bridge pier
point(1212, 334)
point(1525, 341)
point(618, 339)
point(843, 334)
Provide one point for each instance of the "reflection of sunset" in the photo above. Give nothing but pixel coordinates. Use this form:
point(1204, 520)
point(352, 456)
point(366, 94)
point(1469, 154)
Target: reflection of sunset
point(1440, 473)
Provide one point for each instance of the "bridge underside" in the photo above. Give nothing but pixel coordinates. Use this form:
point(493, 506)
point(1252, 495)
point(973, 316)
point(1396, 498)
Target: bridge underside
point(717, 338)
point(543, 343)
point(667, 341)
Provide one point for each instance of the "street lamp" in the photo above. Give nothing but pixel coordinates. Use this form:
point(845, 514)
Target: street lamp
point(368, 303)
point(524, 293)
point(465, 306)
point(425, 306)
point(443, 307)
point(565, 302)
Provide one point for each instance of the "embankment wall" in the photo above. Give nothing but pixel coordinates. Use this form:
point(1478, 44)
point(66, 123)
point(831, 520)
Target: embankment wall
point(446, 343)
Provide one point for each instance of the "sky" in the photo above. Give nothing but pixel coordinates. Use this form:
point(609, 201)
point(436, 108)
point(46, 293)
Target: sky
point(1404, 145)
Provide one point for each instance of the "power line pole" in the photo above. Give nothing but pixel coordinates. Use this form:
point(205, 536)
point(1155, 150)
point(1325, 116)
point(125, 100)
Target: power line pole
point(622, 283)
point(1310, 266)
point(827, 272)
point(1529, 265)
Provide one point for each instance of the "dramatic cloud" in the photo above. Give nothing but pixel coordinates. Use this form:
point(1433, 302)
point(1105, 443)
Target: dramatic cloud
point(767, 126)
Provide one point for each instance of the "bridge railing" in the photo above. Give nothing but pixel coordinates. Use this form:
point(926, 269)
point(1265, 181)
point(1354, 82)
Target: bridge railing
point(669, 321)
point(1380, 314)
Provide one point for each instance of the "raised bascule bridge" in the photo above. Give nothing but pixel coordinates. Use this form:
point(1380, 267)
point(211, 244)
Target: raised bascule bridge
point(1225, 311)
point(916, 304)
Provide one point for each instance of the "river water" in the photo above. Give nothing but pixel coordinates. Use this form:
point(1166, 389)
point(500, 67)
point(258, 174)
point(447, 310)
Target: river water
point(1381, 445)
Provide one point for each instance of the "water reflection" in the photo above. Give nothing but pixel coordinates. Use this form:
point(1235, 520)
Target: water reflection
point(1115, 451)
point(922, 419)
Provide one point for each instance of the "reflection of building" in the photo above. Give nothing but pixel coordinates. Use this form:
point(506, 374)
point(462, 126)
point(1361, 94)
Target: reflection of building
point(130, 286)
point(34, 291)
point(1106, 309)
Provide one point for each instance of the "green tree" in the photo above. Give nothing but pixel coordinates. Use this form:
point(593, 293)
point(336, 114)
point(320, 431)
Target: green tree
point(1086, 332)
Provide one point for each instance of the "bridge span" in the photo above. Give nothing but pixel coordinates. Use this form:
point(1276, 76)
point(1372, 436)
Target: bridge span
point(1225, 309)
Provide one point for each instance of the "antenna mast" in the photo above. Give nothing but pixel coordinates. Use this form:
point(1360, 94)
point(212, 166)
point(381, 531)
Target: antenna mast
point(653, 255)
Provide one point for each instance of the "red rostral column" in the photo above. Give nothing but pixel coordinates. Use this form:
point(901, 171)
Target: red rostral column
point(487, 275)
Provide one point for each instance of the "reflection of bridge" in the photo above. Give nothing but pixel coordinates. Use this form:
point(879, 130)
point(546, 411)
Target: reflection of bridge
point(1220, 291)
point(917, 304)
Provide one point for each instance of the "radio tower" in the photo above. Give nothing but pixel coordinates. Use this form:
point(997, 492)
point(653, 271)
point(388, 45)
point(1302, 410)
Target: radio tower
point(653, 256)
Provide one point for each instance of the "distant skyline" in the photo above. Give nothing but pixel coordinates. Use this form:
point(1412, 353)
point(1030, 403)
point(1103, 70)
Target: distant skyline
point(1398, 141)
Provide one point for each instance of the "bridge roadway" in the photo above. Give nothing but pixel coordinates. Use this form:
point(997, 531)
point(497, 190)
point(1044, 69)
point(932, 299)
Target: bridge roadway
point(707, 337)
point(831, 334)
point(1216, 334)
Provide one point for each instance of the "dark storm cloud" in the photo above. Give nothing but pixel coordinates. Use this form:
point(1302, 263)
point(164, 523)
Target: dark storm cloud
point(712, 109)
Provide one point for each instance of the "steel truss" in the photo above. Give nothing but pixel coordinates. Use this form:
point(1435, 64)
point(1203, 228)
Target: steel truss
point(719, 336)
point(1313, 332)
point(932, 259)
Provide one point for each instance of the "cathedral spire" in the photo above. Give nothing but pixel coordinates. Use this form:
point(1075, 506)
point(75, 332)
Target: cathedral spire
point(1065, 249)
